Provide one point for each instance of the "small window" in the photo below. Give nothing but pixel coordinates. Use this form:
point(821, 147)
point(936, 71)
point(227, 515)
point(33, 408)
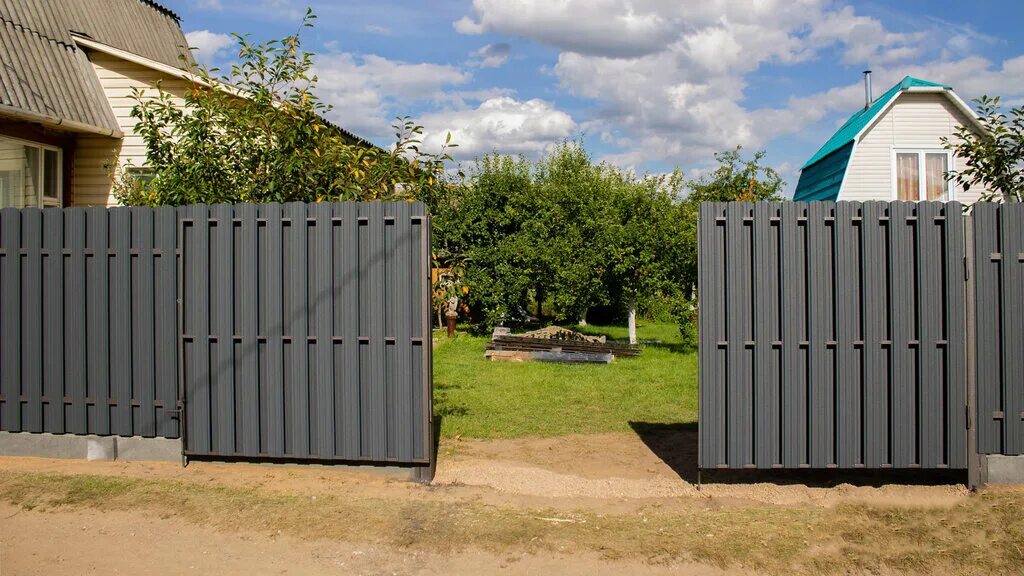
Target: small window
point(30, 174)
point(921, 175)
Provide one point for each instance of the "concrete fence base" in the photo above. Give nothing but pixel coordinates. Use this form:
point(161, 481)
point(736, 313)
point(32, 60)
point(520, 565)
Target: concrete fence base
point(90, 447)
point(998, 469)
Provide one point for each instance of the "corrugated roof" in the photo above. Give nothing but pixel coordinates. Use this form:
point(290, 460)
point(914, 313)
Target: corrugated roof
point(864, 116)
point(822, 175)
point(46, 74)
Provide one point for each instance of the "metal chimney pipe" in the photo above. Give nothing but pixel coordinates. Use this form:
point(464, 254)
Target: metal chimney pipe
point(868, 97)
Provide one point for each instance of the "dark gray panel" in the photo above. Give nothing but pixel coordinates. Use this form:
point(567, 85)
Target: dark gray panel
point(196, 329)
point(902, 273)
point(821, 386)
point(346, 310)
point(97, 322)
point(766, 398)
point(848, 385)
point(120, 308)
point(297, 329)
point(53, 321)
point(930, 408)
point(221, 337)
point(955, 330)
point(272, 407)
point(321, 318)
point(795, 444)
point(10, 319)
point(31, 320)
point(712, 330)
point(247, 288)
point(1011, 228)
point(165, 321)
point(738, 332)
point(74, 290)
point(143, 383)
point(988, 326)
point(876, 331)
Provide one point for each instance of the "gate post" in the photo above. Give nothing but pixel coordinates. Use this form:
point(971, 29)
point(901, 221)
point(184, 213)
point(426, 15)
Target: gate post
point(975, 474)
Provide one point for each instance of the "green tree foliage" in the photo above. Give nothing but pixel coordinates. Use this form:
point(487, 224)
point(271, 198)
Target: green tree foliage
point(994, 158)
point(574, 234)
point(258, 134)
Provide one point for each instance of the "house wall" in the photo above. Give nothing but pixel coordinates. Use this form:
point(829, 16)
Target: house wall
point(96, 156)
point(914, 121)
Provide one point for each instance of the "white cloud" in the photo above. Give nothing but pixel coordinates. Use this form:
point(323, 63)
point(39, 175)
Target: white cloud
point(499, 124)
point(492, 55)
point(210, 47)
point(366, 90)
point(670, 79)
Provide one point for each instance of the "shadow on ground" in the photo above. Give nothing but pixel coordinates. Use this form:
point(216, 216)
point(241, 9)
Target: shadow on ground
point(676, 445)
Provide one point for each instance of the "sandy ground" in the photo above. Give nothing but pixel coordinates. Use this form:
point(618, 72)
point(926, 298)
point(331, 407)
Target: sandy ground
point(603, 473)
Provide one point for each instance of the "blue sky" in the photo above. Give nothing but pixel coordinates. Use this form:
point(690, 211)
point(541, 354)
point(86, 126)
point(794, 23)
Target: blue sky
point(647, 84)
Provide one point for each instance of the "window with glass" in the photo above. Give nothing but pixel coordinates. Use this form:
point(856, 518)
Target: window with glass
point(921, 175)
point(30, 174)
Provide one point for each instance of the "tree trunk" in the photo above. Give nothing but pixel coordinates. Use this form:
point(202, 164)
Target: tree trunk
point(632, 320)
point(583, 320)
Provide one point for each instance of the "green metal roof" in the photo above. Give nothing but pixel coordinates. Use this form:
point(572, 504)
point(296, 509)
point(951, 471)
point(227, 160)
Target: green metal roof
point(822, 175)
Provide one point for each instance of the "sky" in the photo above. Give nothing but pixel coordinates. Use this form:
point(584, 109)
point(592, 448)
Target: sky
point(648, 85)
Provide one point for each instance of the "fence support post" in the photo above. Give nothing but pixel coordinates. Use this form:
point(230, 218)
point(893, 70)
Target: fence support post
point(975, 475)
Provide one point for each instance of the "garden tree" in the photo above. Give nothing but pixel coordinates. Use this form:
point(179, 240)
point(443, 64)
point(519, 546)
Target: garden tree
point(645, 248)
point(736, 179)
point(257, 134)
point(577, 194)
point(488, 222)
point(995, 157)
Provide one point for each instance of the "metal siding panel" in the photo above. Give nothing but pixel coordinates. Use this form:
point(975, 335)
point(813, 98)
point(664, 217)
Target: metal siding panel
point(821, 384)
point(931, 405)
point(31, 320)
point(10, 319)
point(766, 331)
point(707, 346)
point(904, 312)
point(272, 275)
point(987, 326)
point(245, 267)
point(876, 322)
point(955, 334)
point(97, 322)
point(196, 251)
point(53, 321)
point(165, 321)
point(794, 326)
point(297, 377)
point(75, 288)
point(347, 250)
point(321, 311)
point(222, 345)
point(120, 322)
point(738, 380)
point(420, 310)
point(1011, 228)
point(848, 400)
point(374, 434)
point(143, 384)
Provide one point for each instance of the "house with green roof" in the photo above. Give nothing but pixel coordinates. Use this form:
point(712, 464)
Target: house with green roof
point(891, 149)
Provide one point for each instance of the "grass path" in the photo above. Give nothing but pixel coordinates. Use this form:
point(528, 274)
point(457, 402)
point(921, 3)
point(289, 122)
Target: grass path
point(477, 398)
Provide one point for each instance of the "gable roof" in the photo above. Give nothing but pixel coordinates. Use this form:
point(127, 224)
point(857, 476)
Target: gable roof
point(46, 77)
point(822, 176)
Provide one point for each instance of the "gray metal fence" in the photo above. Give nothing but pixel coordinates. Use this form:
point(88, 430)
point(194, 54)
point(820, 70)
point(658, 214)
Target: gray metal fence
point(284, 331)
point(306, 331)
point(999, 304)
point(87, 321)
point(832, 335)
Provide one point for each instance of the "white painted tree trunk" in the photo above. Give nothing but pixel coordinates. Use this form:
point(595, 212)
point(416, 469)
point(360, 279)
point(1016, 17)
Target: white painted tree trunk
point(632, 320)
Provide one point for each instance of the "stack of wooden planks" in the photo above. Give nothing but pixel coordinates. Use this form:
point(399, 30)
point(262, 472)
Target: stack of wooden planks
point(522, 349)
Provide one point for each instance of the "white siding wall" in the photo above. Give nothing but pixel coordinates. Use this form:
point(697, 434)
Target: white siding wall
point(914, 121)
point(96, 156)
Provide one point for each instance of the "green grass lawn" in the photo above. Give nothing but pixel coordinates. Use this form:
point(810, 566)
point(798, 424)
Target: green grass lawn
point(477, 398)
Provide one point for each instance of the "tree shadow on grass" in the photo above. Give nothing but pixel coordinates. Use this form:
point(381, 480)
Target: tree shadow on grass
point(676, 445)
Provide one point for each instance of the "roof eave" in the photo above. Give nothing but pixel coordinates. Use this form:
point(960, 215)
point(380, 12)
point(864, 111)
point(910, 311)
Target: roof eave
point(55, 122)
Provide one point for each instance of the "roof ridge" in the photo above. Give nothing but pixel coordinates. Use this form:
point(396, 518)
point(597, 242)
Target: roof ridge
point(160, 8)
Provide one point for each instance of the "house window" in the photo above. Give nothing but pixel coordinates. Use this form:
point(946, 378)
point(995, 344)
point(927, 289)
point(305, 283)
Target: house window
point(141, 174)
point(30, 174)
point(921, 175)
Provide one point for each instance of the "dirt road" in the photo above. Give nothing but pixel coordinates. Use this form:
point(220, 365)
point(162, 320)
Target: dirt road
point(604, 504)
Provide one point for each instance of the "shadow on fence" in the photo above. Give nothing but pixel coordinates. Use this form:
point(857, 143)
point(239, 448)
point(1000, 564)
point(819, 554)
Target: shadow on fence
point(676, 445)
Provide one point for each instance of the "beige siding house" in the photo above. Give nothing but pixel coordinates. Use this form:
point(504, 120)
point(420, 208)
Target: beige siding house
point(892, 149)
point(65, 93)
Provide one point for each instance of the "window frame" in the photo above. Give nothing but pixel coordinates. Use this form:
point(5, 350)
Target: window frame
point(922, 184)
point(44, 201)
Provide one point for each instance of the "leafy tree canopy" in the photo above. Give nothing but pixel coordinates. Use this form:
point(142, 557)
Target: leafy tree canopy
point(258, 134)
point(994, 158)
